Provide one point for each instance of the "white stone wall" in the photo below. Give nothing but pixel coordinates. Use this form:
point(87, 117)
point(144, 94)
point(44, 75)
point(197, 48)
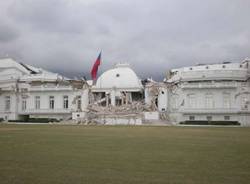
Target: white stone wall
point(121, 121)
point(163, 99)
point(147, 95)
point(59, 109)
point(44, 111)
point(151, 115)
point(12, 113)
point(17, 82)
point(218, 99)
point(199, 91)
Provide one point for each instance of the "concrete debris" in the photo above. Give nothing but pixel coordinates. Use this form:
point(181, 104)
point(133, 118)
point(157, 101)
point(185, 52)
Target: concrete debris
point(134, 108)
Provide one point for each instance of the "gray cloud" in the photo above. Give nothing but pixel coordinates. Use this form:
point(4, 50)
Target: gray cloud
point(153, 36)
point(7, 33)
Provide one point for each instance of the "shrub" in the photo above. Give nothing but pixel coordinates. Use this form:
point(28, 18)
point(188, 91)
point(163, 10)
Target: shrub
point(210, 123)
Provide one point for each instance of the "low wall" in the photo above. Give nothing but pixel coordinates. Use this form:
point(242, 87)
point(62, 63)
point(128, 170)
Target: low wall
point(119, 120)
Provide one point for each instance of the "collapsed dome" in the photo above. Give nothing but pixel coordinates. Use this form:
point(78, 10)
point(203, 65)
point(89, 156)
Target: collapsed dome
point(120, 77)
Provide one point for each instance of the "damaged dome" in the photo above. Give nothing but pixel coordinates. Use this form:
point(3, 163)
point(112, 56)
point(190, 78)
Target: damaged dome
point(120, 77)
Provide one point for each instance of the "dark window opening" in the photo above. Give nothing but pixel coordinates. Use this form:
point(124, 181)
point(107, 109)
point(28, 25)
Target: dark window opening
point(137, 96)
point(118, 102)
point(191, 118)
point(51, 102)
point(226, 117)
point(209, 118)
point(156, 102)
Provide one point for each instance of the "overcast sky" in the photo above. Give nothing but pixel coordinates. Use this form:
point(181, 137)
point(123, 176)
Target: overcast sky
point(66, 36)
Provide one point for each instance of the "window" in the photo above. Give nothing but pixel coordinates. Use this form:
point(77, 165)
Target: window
point(51, 102)
point(191, 118)
point(24, 104)
point(226, 118)
point(118, 102)
point(37, 102)
point(191, 100)
point(244, 102)
point(223, 66)
point(209, 118)
point(65, 102)
point(7, 103)
point(24, 90)
point(209, 101)
point(79, 102)
point(226, 100)
point(118, 75)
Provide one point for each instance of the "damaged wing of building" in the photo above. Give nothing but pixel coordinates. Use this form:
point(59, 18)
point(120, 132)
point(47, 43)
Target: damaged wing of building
point(214, 92)
point(196, 94)
point(29, 92)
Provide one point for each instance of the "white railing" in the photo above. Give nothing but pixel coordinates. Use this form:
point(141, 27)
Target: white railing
point(209, 110)
point(216, 74)
point(240, 74)
point(210, 85)
point(49, 88)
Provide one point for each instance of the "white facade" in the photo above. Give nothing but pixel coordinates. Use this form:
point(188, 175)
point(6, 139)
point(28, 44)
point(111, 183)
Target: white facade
point(29, 91)
point(219, 92)
point(214, 92)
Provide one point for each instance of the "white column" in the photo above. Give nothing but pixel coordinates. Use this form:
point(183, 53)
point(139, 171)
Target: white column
point(127, 98)
point(107, 100)
point(112, 96)
point(84, 99)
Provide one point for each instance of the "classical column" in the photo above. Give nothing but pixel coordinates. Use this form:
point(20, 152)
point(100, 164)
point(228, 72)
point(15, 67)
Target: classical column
point(127, 98)
point(107, 100)
point(122, 98)
point(112, 96)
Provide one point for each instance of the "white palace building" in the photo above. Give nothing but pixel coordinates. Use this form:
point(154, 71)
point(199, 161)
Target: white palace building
point(202, 94)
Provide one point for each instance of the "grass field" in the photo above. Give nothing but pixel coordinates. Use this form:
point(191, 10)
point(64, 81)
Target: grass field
point(33, 154)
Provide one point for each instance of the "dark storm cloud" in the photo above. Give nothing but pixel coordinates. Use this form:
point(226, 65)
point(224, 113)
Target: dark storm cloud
point(153, 36)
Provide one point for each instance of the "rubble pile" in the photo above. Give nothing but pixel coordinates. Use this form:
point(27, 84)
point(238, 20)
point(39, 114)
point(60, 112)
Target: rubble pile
point(133, 108)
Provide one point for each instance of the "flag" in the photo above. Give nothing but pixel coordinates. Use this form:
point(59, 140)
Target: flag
point(95, 67)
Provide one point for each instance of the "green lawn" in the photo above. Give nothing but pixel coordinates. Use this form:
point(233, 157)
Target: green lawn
point(33, 154)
